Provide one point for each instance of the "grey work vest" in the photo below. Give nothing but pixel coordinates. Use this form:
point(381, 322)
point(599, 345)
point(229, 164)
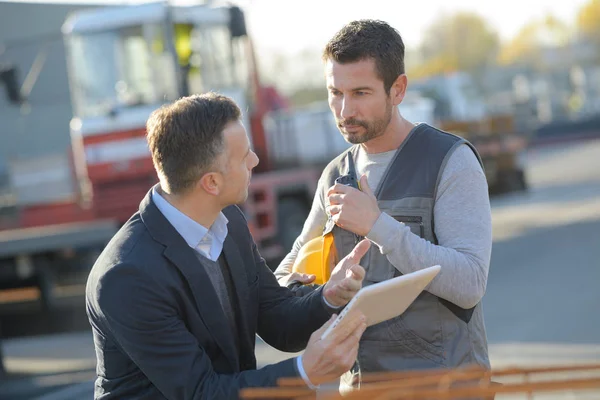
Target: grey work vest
point(432, 332)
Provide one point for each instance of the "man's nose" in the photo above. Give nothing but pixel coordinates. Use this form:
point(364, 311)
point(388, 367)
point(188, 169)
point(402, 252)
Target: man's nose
point(347, 110)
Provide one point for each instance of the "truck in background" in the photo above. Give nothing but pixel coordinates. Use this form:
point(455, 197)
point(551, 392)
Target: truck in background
point(501, 148)
point(499, 144)
point(123, 62)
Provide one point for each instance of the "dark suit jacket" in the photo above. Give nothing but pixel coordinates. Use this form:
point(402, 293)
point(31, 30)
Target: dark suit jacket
point(159, 329)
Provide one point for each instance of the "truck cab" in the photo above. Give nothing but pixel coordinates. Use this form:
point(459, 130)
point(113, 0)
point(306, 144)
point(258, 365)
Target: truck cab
point(124, 62)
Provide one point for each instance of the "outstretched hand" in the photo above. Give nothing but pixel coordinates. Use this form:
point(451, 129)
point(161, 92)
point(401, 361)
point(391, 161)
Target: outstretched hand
point(347, 276)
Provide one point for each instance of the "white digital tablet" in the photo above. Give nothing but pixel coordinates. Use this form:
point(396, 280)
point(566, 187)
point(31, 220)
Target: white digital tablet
point(388, 299)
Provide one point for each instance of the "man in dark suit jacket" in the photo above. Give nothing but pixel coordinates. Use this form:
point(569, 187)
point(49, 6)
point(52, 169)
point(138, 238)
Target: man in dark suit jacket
point(178, 295)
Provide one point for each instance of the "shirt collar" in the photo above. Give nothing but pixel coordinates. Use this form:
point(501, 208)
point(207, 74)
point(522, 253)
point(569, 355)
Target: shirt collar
point(219, 227)
point(191, 231)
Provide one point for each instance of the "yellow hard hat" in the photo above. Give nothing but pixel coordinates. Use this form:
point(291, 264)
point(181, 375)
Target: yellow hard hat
point(317, 257)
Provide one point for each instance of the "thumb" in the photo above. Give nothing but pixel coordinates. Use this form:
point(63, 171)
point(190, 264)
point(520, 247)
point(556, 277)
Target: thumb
point(364, 186)
point(358, 252)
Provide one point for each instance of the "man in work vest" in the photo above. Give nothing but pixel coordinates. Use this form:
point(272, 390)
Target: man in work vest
point(421, 198)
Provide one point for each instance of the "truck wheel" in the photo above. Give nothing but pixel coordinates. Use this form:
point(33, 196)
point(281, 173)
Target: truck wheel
point(522, 181)
point(515, 181)
point(291, 214)
point(509, 182)
point(2, 368)
point(45, 283)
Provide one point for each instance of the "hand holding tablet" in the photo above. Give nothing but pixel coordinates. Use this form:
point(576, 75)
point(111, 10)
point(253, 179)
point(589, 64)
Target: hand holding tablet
point(397, 294)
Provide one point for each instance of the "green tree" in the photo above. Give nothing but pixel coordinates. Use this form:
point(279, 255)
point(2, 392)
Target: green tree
point(459, 42)
point(588, 20)
point(527, 45)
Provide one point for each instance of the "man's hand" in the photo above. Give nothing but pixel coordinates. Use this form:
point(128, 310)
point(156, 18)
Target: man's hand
point(347, 276)
point(325, 360)
point(298, 277)
point(352, 209)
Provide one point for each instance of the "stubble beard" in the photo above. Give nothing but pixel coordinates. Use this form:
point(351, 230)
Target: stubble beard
point(372, 129)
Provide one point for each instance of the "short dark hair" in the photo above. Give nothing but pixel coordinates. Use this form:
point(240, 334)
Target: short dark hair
point(367, 38)
point(186, 137)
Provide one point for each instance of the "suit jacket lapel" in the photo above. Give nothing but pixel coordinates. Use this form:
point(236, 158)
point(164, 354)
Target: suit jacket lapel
point(183, 257)
point(206, 299)
point(240, 283)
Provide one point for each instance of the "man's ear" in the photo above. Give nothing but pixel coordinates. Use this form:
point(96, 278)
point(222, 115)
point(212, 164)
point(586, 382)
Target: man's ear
point(398, 89)
point(211, 183)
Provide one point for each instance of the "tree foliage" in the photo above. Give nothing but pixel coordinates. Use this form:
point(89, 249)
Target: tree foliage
point(588, 20)
point(459, 42)
point(527, 45)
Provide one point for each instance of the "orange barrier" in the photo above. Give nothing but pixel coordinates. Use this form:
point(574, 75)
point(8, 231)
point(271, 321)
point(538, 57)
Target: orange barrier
point(462, 383)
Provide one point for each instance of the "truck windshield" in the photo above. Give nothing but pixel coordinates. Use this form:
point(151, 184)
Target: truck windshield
point(131, 66)
point(112, 69)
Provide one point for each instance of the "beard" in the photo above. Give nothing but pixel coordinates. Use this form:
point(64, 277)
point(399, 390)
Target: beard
point(371, 129)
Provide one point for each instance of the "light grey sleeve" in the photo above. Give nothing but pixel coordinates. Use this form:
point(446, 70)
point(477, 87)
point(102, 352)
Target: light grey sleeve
point(313, 227)
point(463, 228)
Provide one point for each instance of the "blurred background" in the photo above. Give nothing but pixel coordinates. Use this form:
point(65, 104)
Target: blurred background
point(79, 79)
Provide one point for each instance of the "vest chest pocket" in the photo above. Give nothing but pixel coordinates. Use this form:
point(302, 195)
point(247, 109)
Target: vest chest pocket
point(414, 222)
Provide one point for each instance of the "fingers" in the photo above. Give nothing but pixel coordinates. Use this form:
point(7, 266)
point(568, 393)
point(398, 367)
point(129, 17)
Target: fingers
point(342, 344)
point(358, 272)
point(358, 252)
point(342, 292)
point(345, 353)
point(349, 346)
point(299, 277)
point(351, 283)
point(352, 260)
point(364, 186)
point(335, 209)
point(336, 198)
point(349, 325)
point(339, 188)
point(303, 278)
point(354, 336)
point(339, 296)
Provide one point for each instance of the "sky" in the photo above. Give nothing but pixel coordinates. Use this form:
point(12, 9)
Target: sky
point(289, 26)
point(310, 23)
